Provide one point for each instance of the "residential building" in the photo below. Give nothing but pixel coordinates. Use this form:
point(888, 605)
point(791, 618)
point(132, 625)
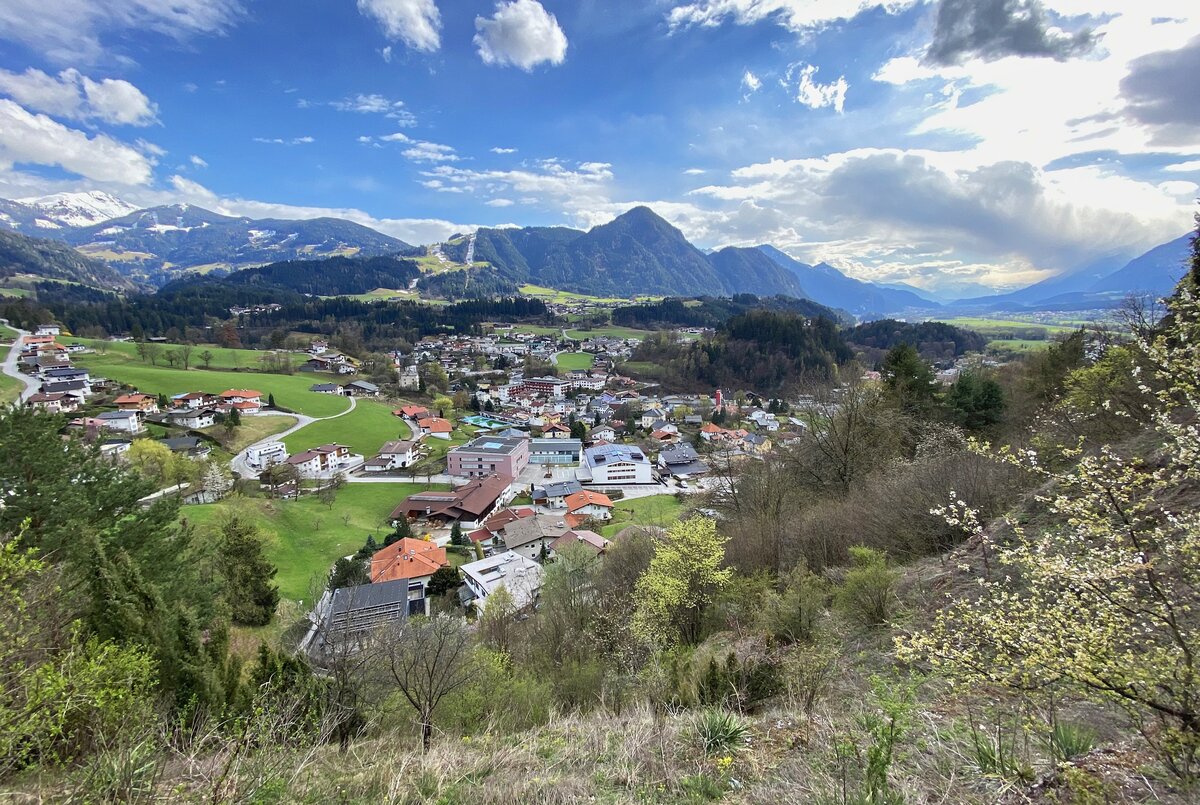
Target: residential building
point(325, 461)
point(531, 536)
point(519, 576)
point(436, 427)
point(326, 388)
point(468, 505)
point(413, 560)
point(556, 431)
point(194, 400)
point(393, 455)
point(587, 504)
point(48, 329)
point(241, 396)
point(360, 388)
point(579, 536)
point(488, 455)
point(615, 464)
point(680, 461)
point(145, 403)
point(56, 403)
point(125, 421)
point(348, 613)
point(554, 496)
point(414, 412)
point(191, 446)
point(192, 419)
point(552, 387)
point(600, 433)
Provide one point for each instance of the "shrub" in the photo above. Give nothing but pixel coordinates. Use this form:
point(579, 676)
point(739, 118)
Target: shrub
point(718, 731)
point(868, 593)
point(1068, 741)
point(791, 615)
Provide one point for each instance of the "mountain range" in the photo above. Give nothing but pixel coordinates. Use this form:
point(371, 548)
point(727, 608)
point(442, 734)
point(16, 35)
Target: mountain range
point(637, 253)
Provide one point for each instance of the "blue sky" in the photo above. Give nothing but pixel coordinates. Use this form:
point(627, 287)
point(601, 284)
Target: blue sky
point(953, 144)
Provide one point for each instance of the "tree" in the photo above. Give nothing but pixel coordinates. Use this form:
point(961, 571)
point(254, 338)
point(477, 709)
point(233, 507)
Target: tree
point(232, 420)
point(433, 377)
point(908, 379)
point(171, 357)
point(403, 530)
point(154, 461)
point(683, 578)
point(227, 336)
point(443, 580)
point(578, 430)
point(975, 402)
point(348, 572)
point(185, 355)
point(462, 400)
point(152, 351)
point(215, 481)
point(249, 576)
point(328, 496)
point(430, 658)
point(456, 534)
point(270, 400)
point(207, 356)
point(1102, 599)
point(444, 406)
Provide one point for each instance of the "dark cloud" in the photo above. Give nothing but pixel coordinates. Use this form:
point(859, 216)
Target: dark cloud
point(1161, 90)
point(993, 29)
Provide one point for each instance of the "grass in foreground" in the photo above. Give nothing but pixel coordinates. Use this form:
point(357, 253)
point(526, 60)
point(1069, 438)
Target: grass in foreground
point(10, 389)
point(305, 537)
point(291, 391)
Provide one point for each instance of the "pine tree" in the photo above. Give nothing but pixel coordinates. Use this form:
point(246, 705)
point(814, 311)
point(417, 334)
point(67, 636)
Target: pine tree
point(248, 574)
point(456, 534)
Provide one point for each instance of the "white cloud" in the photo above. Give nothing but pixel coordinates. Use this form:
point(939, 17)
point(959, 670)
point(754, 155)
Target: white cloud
point(417, 23)
point(795, 15)
point(522, 34)
point(36, 138)
point(574, 190)
point(498, 150)
point(197, 162)
point(417, 150)
point(815, 95)
point(695, 172)
point(77, 31)
point(386, 53)
point(376, 105)
point(74, 96)
point(500, 202)
point(750, 83)
point(1184, 167)
point(305, 140)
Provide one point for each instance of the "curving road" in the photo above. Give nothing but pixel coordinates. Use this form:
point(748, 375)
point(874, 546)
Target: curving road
point(242, 467)
point(10, 367)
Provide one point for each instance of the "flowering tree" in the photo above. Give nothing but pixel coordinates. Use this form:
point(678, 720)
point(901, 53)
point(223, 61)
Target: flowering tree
point(1106, 601)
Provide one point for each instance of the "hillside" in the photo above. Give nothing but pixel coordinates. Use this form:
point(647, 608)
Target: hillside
point(46, 259)
point(827, 285)
point(43, 215)
point(334, 276)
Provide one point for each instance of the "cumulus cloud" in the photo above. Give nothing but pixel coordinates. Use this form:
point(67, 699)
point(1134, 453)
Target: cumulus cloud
point(695, 172)
point(499, 202)
point(417, 150)
point(499, 150)
point(78, 31)
point(1160, 91)
point(38, 139)
point(374, 104)
point(305, 140)
point(74, 96)
point(750, 84)
point(993, 29)
point(573, 188)
point(520, 34)
point(814, 95)
point(1192, 166)
point(197, 162)
point(795, 15)
point(416, 23)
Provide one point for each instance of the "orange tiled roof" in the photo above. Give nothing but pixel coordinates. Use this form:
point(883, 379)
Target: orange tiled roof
point(407, 559)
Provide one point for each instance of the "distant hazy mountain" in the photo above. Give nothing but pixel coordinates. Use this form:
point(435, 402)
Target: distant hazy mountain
point(1102, 283)
point(47, 259)
point(827, 285)
point(151, 242)
point(47, 215)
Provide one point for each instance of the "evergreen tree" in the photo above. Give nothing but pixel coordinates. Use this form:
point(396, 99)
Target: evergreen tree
point(908, 379)
point(456, 534)
point(248, 574)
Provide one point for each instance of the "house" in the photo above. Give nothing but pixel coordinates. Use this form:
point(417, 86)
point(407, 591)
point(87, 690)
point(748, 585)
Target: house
point(266, 454)
point(346, 614)
point(579, 536)
point(326, 388)
point(191, 446)
point(57, 403)
point(360, 388)
point(436, 427)
point(396, 454)
point(531, 536)
point(488, 455)
point(414, 412)
point(554, 451)
point(325, 461)
point(602, 433)
point(650, 416)
point(715, 433)
point(552, 387)
point(519, 576)
point(490, 532)
point(194, 400)
point(615, 464)
point(318, 347)
point(193, 419)
point(755, 443)
point(680, 461)
point(241, 396)
point(145, 403)
point(554, 496)
point(65, 374)
point(556, 432)
point(414, 561)
point(78, 389)
point(126, 421)
point(48, 329)
point(469, 504)
point(587, 504)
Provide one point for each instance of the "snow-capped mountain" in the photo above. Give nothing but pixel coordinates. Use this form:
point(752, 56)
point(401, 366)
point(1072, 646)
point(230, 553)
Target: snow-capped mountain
point(75, 209)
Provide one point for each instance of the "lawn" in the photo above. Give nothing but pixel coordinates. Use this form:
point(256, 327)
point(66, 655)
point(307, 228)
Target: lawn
point(305, 537)
point(536, 329)
point(7, 333)
point(1010, 328)
point(611, 332)
point(221, 357)
point(656, 510)
point(252, 429)
point(15, 292)
point(10, 388)
point(576, 360)
point(1017, 345)
point(364, 429)
point(291, 391)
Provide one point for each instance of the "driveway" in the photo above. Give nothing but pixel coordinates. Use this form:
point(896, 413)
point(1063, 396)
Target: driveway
point(31, 384)
point(242, 467)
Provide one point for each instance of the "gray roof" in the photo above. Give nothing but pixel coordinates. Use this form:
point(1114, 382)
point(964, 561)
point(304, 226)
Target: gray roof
point(530, 529)
point(490, 444)
point(64, 385)
point(178, 443)
point(557, 489)
point(65, 371)
point(117, 415)
point(681, 453)
point(323, 387)
point(363, 384)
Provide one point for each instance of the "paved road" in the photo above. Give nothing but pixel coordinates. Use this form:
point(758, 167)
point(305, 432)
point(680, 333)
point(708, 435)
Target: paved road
point(30, 383)
point(242, 467)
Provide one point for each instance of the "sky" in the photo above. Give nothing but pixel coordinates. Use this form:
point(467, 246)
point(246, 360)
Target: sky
point(956, 145)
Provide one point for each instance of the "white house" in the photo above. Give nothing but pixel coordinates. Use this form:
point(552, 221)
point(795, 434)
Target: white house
point(266, 454)
point(325, 461)
point(397, 454)
point(520, 576)
point(589, 504)
point(125, 421)
point(48, 329)
point(189, 418)
point(615, 464)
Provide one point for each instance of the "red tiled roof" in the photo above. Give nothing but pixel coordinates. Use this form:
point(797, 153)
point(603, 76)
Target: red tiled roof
point(435, 425)
point(587, 497)
point(407, 559)
point(239, 393)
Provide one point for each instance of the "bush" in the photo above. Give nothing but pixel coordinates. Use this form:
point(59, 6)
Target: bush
point(719, 732)
point(792, 615)
point(1067, 741)
point(868, 593)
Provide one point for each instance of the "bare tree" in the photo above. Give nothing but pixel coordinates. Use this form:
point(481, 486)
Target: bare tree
point(152, 351)
point(185, 355)
point(172, 357)
point(207, 356)
point(430, 658)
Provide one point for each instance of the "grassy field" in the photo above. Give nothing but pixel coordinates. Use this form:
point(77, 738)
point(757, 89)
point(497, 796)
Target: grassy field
point(1017, 345)
point(383, 295)
point(1009, 328)
point(576, 360)
point(222, 358)
point(10, 388)
point(15, 292)
point(7, 333)
point(536, 329)
point(291, 391)
point(305, 537)
point(657, 510)
point(555, 295)
point(365, 429)
point(611, 332)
